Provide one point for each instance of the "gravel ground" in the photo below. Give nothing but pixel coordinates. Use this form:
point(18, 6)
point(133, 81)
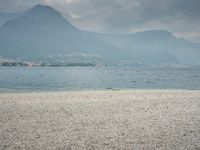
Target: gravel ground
point(140, 119)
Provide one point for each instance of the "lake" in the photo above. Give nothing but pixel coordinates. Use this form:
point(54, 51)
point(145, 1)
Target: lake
point(22, 79)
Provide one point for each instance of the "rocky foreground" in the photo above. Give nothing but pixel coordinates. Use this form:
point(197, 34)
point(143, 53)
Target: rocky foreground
point(140, 119)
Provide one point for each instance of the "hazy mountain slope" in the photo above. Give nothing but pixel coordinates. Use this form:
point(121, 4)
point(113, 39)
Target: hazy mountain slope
point(4, 17)
point(156, 46)
point(43, 31)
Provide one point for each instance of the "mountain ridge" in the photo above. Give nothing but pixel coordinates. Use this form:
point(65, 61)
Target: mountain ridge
point(42, 30)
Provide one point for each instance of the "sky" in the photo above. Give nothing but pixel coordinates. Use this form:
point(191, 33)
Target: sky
point(181, 17)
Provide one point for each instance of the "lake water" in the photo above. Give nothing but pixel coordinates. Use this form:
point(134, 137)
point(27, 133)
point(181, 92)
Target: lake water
point(87, 78)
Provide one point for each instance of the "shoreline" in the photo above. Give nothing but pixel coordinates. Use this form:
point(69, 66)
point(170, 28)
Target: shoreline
point(10, 91)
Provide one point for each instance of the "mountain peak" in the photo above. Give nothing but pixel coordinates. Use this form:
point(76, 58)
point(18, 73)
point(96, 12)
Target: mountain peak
point(158, 34)
point(43, 10)
point(42, 6)
point(40, 17)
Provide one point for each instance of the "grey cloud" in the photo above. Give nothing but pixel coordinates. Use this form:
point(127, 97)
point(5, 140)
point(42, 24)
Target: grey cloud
point(178, 16)
point(7, 6)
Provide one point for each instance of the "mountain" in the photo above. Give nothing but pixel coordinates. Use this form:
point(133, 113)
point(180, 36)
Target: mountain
point(42, 31)
point(157, 47)
point(4, 17)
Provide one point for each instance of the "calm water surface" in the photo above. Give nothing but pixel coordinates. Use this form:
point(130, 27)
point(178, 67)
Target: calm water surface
point(87, 78)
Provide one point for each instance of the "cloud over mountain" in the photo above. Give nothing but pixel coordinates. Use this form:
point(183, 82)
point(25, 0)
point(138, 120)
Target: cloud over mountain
point(178, 16)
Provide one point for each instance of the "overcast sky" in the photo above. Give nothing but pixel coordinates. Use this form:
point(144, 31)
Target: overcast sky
point(182, 17)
